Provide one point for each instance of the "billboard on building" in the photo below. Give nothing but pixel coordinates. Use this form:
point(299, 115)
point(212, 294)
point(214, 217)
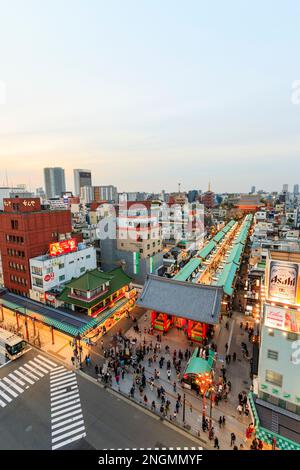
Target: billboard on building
point(283, 282)
point(63, 247)
point(282, 319)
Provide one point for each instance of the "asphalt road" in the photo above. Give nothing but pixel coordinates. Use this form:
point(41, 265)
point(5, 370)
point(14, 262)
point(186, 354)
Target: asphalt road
point(43, 405)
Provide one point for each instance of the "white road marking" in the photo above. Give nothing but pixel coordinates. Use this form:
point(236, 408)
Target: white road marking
point(66, 412)
point(6, 397)
point(59, 387)
point(41, 363)
point(8, 390)
point(25, 371)
point(70, 433)
point(2, 404)
point(61, 392)
point(12, 384)
point(62, 380)
point(37, 368)
point(66, 428)
point(63, 400)
point(61, 375)
point(24, 376)
point(12, 376)
point(64, 443)
point(59, 407)
point(50, 362)
point(73, 413)
point(74, 407)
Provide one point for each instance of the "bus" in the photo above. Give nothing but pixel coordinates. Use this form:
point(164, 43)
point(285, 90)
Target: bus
point(11, 345)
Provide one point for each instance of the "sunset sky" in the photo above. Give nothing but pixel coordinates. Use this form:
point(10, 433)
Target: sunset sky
point(146, 93)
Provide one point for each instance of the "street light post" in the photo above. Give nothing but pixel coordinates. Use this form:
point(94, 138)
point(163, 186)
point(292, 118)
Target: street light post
point(183, 415)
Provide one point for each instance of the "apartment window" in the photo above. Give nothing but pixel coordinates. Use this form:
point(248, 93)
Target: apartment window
point(274, 378)
point(272, 354)
point(82, 270)
point(37, 282)
point(141, 250)
point(62, 278)
point(88, 256)
point(148, 247)
point(14, 224)
point(61, 266)
point(292, 336)
point(153, 244)
point(71, 262)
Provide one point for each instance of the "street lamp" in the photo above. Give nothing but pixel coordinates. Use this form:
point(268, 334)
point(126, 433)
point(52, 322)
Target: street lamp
point(205, 382)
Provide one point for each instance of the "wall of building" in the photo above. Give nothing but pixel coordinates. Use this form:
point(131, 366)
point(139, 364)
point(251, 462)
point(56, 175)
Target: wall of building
point(285, 365)
point(31, 238)
point(49, 273)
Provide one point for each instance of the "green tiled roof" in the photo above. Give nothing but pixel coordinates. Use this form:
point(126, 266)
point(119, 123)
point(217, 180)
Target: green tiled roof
point(117, 280)
point(188, 269)
point(89, 280)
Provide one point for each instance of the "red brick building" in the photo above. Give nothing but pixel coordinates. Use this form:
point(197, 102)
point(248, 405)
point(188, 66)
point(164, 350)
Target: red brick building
point(25, 232)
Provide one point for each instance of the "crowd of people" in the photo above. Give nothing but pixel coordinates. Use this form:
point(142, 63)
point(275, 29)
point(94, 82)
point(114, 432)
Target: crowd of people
point(143, 361)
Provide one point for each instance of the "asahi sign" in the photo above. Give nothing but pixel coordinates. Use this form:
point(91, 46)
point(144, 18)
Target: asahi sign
point(283, 282)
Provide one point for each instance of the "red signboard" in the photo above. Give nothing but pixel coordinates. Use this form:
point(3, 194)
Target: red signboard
point(65, 246)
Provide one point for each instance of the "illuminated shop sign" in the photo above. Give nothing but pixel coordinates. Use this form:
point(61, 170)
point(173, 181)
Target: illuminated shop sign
point(65, 246)
point(283, 282)
point(282, 319)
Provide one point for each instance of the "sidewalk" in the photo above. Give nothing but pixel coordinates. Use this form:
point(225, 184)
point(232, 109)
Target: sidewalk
point(237, 373)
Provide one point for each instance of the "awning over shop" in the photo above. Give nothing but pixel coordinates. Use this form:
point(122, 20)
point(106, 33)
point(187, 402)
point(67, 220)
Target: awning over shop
point(198, 365)
point(207, 249)
point(227, 277)
point(196, 302)
point(188, 269)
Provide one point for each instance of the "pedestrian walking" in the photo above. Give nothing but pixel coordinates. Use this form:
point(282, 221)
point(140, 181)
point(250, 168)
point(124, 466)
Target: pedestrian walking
point(169, 374)
point(145, 400)
point(223, 420)
point(232, 439)
point(234, 356)
point(216, 443)
point(174, 386)
point(220, 421)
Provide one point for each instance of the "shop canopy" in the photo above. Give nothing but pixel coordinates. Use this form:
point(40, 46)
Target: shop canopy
point(235, 253)
point(207, 249)
point(198, 365)
point(219, 236)
point(226, 278)
point(197, 302)
point(188, 269)
point(228, 226)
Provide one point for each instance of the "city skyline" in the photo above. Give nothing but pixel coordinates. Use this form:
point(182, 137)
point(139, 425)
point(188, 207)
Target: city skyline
point(183, 95)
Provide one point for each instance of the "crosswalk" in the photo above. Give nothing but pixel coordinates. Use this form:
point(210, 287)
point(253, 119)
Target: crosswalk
point(67, 422)
point(23, 377)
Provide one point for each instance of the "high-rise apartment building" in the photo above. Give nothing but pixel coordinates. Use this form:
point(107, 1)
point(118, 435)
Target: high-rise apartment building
point(106, 193)
point(55, 183)
point(81, 178)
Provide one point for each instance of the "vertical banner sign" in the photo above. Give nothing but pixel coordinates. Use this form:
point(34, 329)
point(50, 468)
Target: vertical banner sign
point(136, 262)
point(151, 264)
point(283, 279)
